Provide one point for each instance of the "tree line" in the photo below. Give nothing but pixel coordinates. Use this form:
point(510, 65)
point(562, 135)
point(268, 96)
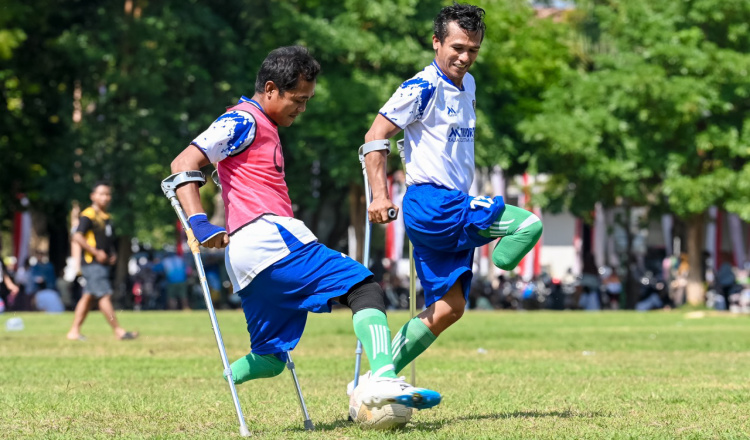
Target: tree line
point(641, 103)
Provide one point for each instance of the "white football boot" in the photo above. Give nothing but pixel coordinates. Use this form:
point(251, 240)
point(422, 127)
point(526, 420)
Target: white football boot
point(376, 392)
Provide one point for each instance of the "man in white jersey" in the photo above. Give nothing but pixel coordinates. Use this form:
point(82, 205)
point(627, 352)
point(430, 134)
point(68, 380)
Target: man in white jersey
point(275, 263)
point(436, 110)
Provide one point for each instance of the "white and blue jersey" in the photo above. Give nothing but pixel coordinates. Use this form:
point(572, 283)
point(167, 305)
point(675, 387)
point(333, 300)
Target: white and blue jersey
point(441, 219)
point(438, 120)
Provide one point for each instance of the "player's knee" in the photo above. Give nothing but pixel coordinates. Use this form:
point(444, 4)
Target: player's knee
point(455, 314)
point(276, 364)
point(456, 303)
point(534, 230)
point(364, 295)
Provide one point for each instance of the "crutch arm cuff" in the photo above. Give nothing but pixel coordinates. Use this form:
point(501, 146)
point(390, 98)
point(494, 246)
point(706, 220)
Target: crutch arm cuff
point(376, 145)
point(175, 180)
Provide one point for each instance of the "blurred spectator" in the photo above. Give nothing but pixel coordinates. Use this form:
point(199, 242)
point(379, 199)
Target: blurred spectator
point(41, 267)
point(7, 286)
point(653, 295)
point(613, 287)
point(725, 282)
point(397, 293)
point(680, 280)
point(589, 286)
point(175, 272)
point(46, 299)
point(23, 276)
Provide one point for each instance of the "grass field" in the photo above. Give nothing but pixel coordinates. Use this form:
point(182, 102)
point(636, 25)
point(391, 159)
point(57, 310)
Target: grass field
point(564, 375)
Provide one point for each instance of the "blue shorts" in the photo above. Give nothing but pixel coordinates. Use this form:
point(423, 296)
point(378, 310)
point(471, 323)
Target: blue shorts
point(278, 299)
point(443, 225)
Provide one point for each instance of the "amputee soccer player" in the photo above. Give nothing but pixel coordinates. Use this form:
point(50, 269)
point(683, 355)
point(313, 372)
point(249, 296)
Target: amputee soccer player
point(274, 261)
point(436, 110)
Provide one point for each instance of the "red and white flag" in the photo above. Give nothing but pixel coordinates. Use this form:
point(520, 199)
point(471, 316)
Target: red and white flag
point(22, 232)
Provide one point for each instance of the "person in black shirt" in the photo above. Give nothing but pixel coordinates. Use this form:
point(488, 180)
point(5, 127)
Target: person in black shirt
point(96, 238)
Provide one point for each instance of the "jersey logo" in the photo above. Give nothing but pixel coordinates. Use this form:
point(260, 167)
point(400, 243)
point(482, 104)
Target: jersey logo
point(452, 112)
point(278, 158)
point(461, 134)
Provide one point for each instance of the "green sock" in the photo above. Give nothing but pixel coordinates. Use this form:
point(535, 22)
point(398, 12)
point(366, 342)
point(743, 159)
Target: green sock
point(371, 328)
point(254, 366)
point(413, 338)
point(519, 230)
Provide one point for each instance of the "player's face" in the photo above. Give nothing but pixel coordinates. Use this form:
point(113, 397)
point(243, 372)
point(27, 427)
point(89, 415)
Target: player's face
point(283, 109)
point(101, 196)
point(457, 53)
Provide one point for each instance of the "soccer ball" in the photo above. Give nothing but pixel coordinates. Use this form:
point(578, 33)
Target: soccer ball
point(393, 416)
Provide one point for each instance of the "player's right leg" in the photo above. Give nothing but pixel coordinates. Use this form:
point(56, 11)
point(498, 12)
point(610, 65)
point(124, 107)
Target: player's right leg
point(518, 230)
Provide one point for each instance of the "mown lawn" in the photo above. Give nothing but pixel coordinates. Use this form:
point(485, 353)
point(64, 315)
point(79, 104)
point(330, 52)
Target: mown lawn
point(546, 375)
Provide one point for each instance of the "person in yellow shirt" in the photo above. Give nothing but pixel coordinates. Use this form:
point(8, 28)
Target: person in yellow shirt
point(96, 237)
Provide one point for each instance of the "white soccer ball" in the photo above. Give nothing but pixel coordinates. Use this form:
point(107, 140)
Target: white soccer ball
point(393, 416)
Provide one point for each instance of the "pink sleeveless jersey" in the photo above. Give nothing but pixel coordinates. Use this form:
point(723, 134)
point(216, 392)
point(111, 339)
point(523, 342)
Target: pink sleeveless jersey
point(252, 182)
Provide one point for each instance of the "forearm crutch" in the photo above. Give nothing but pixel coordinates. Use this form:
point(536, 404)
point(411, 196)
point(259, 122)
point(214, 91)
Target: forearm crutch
point(412, 271)
point(168, 186)
point(365, 253)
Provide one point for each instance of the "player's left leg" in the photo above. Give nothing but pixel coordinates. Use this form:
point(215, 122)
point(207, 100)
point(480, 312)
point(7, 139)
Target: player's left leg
point(381, 386)
point(421, 331)
point(518, 230)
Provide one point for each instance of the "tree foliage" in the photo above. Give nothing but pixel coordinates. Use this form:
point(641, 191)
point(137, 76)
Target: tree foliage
point(657, 111)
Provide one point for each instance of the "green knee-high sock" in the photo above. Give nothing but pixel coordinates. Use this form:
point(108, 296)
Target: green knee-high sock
point(413, 338)
point(519, 230)
point(371, 328)
point(254, 366)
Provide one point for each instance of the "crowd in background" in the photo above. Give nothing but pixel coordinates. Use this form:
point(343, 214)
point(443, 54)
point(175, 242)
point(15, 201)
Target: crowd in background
point(161, 279)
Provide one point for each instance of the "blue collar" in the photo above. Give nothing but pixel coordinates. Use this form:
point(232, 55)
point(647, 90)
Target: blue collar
point(442, 75)
point(255, 103)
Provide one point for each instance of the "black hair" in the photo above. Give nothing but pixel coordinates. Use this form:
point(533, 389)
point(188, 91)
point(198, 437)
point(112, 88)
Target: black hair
point(99, 183)
point(285, 66)
point(468, 17)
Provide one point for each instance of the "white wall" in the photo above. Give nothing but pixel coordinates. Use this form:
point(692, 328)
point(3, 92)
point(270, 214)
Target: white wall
point(558, 253)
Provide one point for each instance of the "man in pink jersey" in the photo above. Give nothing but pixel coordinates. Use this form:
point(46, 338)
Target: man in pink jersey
point(274, 262)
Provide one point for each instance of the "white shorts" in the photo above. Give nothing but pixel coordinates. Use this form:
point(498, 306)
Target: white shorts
point(260, 244)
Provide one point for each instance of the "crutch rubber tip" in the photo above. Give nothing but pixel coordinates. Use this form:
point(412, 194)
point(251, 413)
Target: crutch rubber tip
point(309, 425)
point(391, 213)
point(244, 432)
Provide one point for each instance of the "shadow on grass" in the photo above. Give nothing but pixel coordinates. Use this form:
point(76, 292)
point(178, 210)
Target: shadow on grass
point(438, 424)
point(431, 426)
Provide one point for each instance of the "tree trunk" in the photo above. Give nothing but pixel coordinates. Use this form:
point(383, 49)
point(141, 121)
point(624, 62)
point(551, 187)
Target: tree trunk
point(696, 291)
point(120, 294)
point(357, 216)
point(59, 238)
point(632, 288)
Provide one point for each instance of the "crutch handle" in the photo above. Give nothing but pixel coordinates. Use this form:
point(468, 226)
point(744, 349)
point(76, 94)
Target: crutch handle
point(392, 214)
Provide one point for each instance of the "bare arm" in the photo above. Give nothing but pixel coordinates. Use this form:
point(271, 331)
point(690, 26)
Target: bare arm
point(12, 287)
point(99, 255)
point(188, 194)
point(375, 163)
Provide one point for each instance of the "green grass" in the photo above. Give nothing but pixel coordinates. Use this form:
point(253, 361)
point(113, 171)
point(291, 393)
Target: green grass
point(561, 375)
